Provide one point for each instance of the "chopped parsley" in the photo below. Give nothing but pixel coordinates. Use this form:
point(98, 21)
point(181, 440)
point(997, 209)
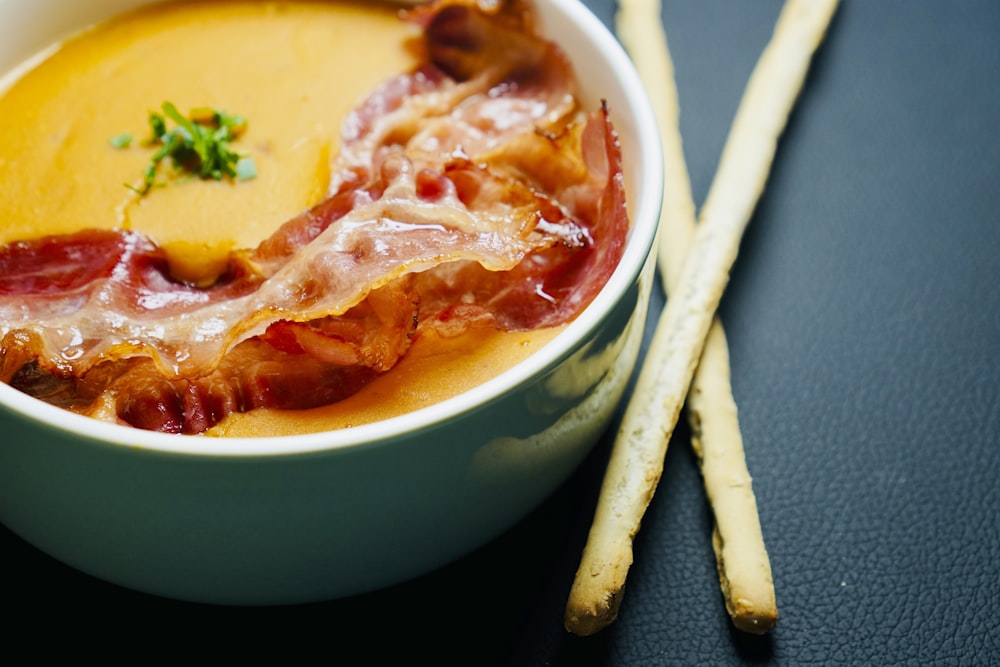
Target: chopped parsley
point(123, 140)
point(197, 145)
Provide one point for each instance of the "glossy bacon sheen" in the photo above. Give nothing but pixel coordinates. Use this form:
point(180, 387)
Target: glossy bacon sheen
point(470, 191)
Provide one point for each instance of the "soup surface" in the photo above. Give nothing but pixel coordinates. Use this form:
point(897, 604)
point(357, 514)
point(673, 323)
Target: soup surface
point(293, 70)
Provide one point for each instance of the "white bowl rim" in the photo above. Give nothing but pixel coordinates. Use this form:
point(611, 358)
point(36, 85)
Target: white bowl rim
point(644, 214)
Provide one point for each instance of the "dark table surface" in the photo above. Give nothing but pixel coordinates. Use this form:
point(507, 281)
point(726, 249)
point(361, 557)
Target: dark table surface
point(864, 325)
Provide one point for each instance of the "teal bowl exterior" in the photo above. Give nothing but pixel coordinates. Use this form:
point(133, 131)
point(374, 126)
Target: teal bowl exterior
point(293, 519)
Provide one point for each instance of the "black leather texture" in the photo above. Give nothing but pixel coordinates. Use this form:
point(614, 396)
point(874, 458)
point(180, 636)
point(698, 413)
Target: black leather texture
point(864, 324)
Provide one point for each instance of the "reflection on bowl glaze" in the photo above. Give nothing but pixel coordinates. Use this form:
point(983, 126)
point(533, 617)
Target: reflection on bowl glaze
point(581, 395)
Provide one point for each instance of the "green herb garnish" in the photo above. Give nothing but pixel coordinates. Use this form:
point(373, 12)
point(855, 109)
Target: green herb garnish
point(123, 140)
point(198, 145)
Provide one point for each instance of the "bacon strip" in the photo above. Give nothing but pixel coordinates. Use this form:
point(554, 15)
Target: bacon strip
point(469, 190)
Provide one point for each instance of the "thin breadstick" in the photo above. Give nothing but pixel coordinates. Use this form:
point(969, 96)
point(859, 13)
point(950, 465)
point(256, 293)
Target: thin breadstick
point(636, 461)
point(640, 29)
point(741, 556)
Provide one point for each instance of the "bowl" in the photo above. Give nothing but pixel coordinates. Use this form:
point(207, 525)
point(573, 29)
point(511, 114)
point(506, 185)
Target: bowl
point(293, 519)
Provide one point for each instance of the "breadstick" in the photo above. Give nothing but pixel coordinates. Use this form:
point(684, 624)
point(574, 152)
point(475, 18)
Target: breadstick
point(741, 557)
point(742, 560)
point(636, 461)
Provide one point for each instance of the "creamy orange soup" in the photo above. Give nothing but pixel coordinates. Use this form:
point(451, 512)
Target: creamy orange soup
point(293, 70)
